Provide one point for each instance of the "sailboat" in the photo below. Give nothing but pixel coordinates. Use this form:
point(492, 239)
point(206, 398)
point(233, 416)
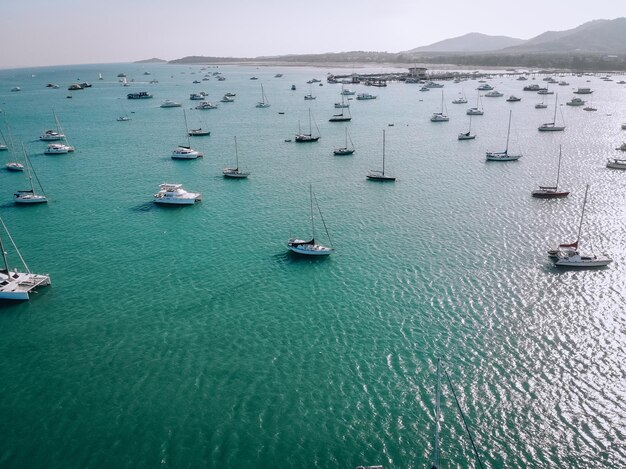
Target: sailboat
point(440, 116)
point(235, 172)
point(29, 196)
point(16, 285)
point(467, 135)
point(344, 116)
point(60, 147)
point(183, 152)
point(345, 150)
point(50, 135)
point(374, 175)
point(199, 132)
point(476, 111)
point(124, 117)
point(569, 255)
point(551, 192)
point(264, 102)
point(542, 104)
point(11, 165)
point(3, 142)
point(503, 155)
point(551, 126)
point(303, 138)
point(310, 247)
point(309, 97)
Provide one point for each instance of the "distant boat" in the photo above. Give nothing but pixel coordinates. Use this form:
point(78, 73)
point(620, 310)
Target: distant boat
point(375, 175)
point(583, 91)
point(16, 285)
point(311, 247)
point(206, 105)
point(345, 150)
point(170, 103)
point(503, 155)
point(552, 192)
point(29, 196)
point(494, 94)
point(575, 102)
point(570, 255)
point(365, 96)
point(513, 99)
point(344, 116)
point(264, 102)
point(304, 138)
point(235, 172)
point(53, 135)
point(309, 97)
point(551, 126)
point(174, 194)
point(616, 163)
point(460, 100)
point(139, 95)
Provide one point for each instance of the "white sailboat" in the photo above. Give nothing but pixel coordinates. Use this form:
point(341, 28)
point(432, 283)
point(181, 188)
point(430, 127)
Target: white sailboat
point(16, 285)
point(551, 126)
point(467, 135)
point(50, 135)
point(11, 165)
point(304, 138)
point(345, 150)
point(183, 152)
point(569, 255)
point(264, 102)
point(375, 175)
point(440, 116)
point(29, 196)
point(476, 111)
point(311, 247)
point(235, 172)
point(503, 155)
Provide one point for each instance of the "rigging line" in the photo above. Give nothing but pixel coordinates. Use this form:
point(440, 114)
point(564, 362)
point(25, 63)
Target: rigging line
point(14, 246)
point(322, 218)
point(463, 417)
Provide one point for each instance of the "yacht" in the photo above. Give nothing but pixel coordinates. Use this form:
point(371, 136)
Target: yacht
point(494, 94)
point(485, 87)
point(365, 96)
point(51, 136)
point(575, 102)
point(204, 105)
point(186, 153)
point(616, 163)
point(346, 92)
point(583, 91)
point(533, 87)
point(513, 99)
point(197, 96)
point(170, 103)
point(227, 99)
point(174, 194)
point(58, 149)
point(14, 166)
point(16, 285)
point(460, 100)
point(139, 95)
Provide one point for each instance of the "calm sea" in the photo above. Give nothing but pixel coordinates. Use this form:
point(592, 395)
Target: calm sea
point(189, 337)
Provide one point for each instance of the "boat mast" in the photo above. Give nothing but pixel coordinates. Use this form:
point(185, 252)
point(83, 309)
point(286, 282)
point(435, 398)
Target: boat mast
point(30, 177)
point(556, 98)
point(187, 129)
point(310, 128)
point(4, 257)
point(312, 224)
point(558, 170)
point(508, 133)
point(17, 251)
point(236, 156)
point(383, 152)
point(437, 449)
point(582, 216)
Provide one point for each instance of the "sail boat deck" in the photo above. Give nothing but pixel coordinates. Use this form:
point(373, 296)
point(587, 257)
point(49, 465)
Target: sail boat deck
point(18, 285)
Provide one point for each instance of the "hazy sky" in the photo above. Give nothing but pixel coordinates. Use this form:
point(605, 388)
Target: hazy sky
point(52, 32)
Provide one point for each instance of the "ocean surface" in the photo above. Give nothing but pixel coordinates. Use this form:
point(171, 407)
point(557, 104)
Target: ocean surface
point(189, 337)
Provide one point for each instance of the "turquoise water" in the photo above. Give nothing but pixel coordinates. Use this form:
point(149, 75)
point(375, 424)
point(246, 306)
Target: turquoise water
point(187, 337)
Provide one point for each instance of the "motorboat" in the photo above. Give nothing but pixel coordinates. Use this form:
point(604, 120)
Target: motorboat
point(347, 92)
point(58, 149)
point(533, 87)
point(460, 100)
point(341, 105)
point(51, 136)
point(170, 103)
point(16, 285)
point(485, 87)
point(186, 153)
point(575, 102)
point(197, 96)
point(365, 96)
point(494, 94)
point(174, 194)
point(75, 86)
point(16, 88)
point(616, 163)
point(513, 99)
point(14, 166)
point(205, 105)
point(583, 91)
point(139, 95)
point(227, 99)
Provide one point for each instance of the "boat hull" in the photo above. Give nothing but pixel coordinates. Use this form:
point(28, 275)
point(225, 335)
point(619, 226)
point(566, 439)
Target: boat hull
point(549, 194)
point(310, 249)
point(173, 201)
point(18, 285)
point(342, 152)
